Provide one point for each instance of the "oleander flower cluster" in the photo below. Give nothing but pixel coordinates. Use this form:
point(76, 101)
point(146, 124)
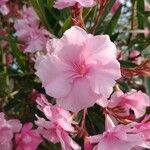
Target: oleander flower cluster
point(69, 84)
point(29, 31)
point(3, 7)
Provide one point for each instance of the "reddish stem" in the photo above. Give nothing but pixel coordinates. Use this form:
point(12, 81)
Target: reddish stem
point(77, 18)
point(103, 4)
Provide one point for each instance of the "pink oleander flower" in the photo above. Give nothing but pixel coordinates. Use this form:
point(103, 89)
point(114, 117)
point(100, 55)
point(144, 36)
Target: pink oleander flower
point(29, 31)
point(120, 137)
point(28, 139)
point(55, 134)
point(115, 7)
point(147, 6)
point(7, 130)
point(58, 125)
point(144, 127)
point(55, 114)
point(61, 4)
point(81, 69)
point(3, 2)
point(136, 101)
point(29, 15)
point(3, 7)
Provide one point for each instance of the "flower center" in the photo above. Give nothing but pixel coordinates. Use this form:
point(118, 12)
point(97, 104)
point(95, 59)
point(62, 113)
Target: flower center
point(80, 68)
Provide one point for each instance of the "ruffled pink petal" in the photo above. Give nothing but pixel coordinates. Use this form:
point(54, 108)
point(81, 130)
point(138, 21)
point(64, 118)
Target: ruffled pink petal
point(95, 138)
point(54, 76)
point(66, 141)
point(86, 3)
point(109, 124)
point(100, 48)
point(102, 78)
point(80, 96)
point(138, 103)
point(16, 125)
point(27, 127)
point(64, 124)
point(61, 4)
point(75, 36)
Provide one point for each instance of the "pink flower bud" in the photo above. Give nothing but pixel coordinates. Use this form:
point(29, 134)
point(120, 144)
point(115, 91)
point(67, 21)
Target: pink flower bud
point(9, 58)
point(134, 54)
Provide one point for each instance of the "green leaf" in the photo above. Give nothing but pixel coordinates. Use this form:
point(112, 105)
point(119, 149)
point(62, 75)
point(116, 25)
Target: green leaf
point(18, 55)
point(38, 5)
point(127, 64)
point(87, 12)
point(50, 3)
point(106, 12)
point(140, 13)
point(95, 120)
point(114, 37)
point(66, 25)
point(8, 39)
point(113, 22)
point(146, 52)
point(147, 85)
point(79, 116)
point(67, 22)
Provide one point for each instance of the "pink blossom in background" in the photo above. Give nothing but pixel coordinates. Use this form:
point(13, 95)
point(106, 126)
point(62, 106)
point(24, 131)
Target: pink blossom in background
point(147, 6)
point(3, 2)
point(28, 139)
point(115, 7)
point(137, 101)
point(120, 137)
point(146, 31)
point(29, 15)
point(58, 125)
point(7, 130)
point(55, 113)
point(134, 55)
point(81, 70)
point(55, 134)
point(3, 7)
point(9, 58)
point(3, 43)
point(61, 4)
point(29, 31)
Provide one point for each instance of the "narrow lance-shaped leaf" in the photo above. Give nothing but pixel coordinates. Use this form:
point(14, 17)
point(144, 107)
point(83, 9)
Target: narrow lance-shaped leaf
point(18, 55)
point(147, 85)
point(41, 13)
point(106, 12)
point(140, 13)
point(113, 23)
